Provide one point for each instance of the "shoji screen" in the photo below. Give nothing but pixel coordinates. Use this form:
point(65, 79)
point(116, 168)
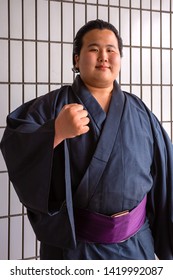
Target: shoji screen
point(35, 57)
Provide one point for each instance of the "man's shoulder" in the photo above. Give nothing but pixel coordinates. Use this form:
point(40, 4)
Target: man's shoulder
point(134, 100)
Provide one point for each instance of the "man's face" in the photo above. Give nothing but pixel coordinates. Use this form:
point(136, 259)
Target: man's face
point(99, 60)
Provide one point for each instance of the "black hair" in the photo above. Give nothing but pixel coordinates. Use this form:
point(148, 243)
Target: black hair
point(93, 24)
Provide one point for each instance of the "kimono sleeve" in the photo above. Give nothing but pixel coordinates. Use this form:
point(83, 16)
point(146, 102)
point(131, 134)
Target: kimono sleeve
point(27, 147)
point(160, 198)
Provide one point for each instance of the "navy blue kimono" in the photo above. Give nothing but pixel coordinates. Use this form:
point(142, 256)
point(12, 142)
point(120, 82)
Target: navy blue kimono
point(125, 155)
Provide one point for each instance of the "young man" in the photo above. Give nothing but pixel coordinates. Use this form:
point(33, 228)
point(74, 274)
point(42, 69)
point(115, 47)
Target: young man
point(91, 163)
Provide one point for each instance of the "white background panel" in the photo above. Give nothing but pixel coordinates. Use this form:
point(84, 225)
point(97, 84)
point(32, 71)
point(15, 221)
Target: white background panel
point(34, 42)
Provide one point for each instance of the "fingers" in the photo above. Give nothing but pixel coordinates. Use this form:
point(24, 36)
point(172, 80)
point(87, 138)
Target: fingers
point(81, 119)
point(83, 126)
point(84, 130)
point(85, 121)
point(72, 121)
point(73, 107)
point(77, 112)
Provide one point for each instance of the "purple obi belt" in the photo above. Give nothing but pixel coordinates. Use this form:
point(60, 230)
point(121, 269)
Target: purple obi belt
point(99, 228)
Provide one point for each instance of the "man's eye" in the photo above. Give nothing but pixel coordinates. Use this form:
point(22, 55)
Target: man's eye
point(93, 50)
point(110, 50)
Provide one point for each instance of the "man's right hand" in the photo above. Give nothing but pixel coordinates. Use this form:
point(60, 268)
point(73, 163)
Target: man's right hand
point(72, 121)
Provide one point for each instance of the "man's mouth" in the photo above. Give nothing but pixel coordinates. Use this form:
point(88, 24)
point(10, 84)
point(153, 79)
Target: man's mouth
point(102, 67)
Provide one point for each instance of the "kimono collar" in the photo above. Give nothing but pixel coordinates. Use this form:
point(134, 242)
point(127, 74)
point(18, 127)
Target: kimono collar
point(90, 103)
point(102, 153)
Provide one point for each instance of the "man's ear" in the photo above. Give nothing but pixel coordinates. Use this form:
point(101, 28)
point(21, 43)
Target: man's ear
point(76, 58)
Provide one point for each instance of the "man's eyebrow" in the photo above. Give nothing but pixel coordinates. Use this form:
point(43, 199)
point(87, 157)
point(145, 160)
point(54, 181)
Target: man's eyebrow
point(97, 45)
point(93, 45)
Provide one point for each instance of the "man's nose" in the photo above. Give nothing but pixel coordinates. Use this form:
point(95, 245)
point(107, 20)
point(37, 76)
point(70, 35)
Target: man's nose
point(102, 56)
